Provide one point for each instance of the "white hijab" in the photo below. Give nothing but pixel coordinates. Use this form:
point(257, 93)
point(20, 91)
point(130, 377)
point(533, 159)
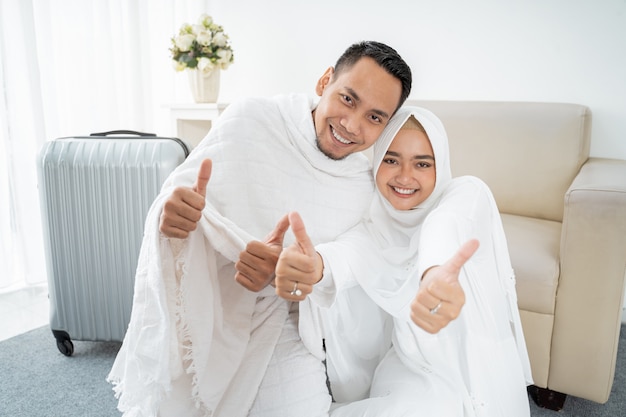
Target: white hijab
point(398, 230)
point(396, 233)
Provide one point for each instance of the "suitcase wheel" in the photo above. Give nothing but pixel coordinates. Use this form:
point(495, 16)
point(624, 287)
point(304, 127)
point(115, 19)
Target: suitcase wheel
point(64, 343)
point(66, 347)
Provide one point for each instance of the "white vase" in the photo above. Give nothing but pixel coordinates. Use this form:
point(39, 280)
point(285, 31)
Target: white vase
point(205, 86)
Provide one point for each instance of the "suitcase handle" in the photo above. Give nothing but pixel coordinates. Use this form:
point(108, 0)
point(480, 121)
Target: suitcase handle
point(123, 132)
point(142, 134)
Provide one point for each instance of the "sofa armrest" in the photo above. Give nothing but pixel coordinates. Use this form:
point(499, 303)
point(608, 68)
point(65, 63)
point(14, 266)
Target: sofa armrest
point(590, 292)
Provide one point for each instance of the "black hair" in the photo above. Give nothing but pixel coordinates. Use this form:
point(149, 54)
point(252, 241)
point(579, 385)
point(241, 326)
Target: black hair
point(385, 56)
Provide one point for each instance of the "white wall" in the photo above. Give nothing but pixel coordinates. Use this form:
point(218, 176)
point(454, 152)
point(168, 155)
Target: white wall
point(530, 50)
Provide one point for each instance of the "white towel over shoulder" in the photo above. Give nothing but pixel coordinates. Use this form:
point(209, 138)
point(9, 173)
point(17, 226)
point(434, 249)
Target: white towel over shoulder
point(189, 315)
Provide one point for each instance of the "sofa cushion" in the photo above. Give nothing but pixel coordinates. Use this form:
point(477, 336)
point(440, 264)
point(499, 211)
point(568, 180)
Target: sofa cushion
point(534, 247)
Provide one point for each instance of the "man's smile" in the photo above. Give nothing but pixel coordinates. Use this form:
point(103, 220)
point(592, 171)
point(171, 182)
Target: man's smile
point(340, 138)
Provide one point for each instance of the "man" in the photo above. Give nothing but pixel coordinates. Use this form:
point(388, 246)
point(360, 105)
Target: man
point(200, 343)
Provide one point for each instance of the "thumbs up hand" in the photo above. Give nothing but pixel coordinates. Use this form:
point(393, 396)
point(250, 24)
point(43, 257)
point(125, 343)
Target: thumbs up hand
point(440, 297)
point(257, 263)
point(183, 209)
point(204, 174)
point(299, 266)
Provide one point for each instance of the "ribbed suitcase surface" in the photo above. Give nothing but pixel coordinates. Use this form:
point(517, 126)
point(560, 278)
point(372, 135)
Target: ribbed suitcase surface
point(95, 194)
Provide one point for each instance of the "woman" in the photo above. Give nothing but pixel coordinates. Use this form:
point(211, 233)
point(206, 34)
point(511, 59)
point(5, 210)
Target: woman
point(478, 364)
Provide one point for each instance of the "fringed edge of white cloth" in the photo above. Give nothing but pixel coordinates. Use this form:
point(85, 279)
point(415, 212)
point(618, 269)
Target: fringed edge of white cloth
point(140, 393)
point(172, 322)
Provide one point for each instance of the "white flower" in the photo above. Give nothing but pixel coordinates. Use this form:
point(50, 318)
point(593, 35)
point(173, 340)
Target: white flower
point(205, 64)
point(225, 56)
point(220, 39)
point(179, 66)
point(183, 42)
point(196, 29)
point(204, 38)
point(205, 20)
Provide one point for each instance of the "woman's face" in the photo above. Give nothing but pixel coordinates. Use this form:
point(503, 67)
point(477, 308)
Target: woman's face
point(406, 176)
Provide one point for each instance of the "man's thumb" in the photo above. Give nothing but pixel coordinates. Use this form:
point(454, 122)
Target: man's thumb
point(204, 174)
point(278, 234)
point(299, 231)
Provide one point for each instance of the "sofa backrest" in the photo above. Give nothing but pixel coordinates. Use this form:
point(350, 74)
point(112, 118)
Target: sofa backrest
point(528, 153)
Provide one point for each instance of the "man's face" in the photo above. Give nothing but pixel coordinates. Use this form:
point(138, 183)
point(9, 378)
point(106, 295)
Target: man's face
point(354, 107)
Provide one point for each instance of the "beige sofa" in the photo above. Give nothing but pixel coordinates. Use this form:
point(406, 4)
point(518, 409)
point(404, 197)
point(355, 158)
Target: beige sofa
point(565, 219)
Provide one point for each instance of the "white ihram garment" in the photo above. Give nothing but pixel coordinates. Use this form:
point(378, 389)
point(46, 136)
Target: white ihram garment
point(199, 343)
point(476, 366)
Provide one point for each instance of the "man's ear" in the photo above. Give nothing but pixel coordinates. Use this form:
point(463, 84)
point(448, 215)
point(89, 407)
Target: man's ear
point(324, 81)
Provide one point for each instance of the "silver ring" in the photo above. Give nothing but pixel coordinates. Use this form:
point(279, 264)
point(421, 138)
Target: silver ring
point(436, 308)
point(295, 290)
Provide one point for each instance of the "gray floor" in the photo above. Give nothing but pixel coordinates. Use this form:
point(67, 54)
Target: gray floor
point(42, 382)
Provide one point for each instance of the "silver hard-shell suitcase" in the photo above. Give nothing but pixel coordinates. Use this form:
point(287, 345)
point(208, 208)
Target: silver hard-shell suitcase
point(95, 192)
